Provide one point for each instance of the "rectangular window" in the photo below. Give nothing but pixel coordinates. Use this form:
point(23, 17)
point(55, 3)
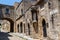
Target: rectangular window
point(7, 11)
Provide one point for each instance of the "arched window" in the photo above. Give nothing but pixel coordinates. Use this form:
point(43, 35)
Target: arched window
point(44, 28)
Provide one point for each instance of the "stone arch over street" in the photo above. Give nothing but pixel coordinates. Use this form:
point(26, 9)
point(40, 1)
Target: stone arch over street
point(11, 23)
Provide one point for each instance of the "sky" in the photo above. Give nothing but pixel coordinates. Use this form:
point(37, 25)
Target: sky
point(9, 2)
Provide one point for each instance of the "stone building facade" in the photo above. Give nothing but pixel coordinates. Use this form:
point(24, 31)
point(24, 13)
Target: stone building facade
point(39, 19)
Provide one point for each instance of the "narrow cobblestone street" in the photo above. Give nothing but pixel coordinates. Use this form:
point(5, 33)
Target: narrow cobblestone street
point(12, 36)
point(29, 19)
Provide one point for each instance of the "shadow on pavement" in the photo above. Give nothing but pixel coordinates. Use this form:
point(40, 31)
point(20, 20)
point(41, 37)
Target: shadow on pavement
point(4, 36)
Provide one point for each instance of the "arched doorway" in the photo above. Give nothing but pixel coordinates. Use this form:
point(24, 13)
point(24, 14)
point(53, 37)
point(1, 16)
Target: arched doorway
point(28, 29)
point(11, 26)
point(44, 28)
point(24, 29)
point(18, 27)
point(21, 28)
point(11, 23)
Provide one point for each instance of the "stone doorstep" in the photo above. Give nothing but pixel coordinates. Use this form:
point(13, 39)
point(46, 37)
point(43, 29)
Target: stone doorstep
point(18, 35)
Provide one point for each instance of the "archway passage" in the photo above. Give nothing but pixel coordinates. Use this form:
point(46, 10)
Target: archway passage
point(44, 28)
point(11, 23)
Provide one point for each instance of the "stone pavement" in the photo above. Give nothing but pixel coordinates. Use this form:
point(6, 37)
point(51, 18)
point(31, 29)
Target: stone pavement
point(7, 36)
point(12, 36)
point(24, 37)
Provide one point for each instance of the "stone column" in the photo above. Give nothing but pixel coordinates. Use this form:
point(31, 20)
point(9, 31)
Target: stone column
point(15, 26)
point(26, 29)
point(23, 28)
